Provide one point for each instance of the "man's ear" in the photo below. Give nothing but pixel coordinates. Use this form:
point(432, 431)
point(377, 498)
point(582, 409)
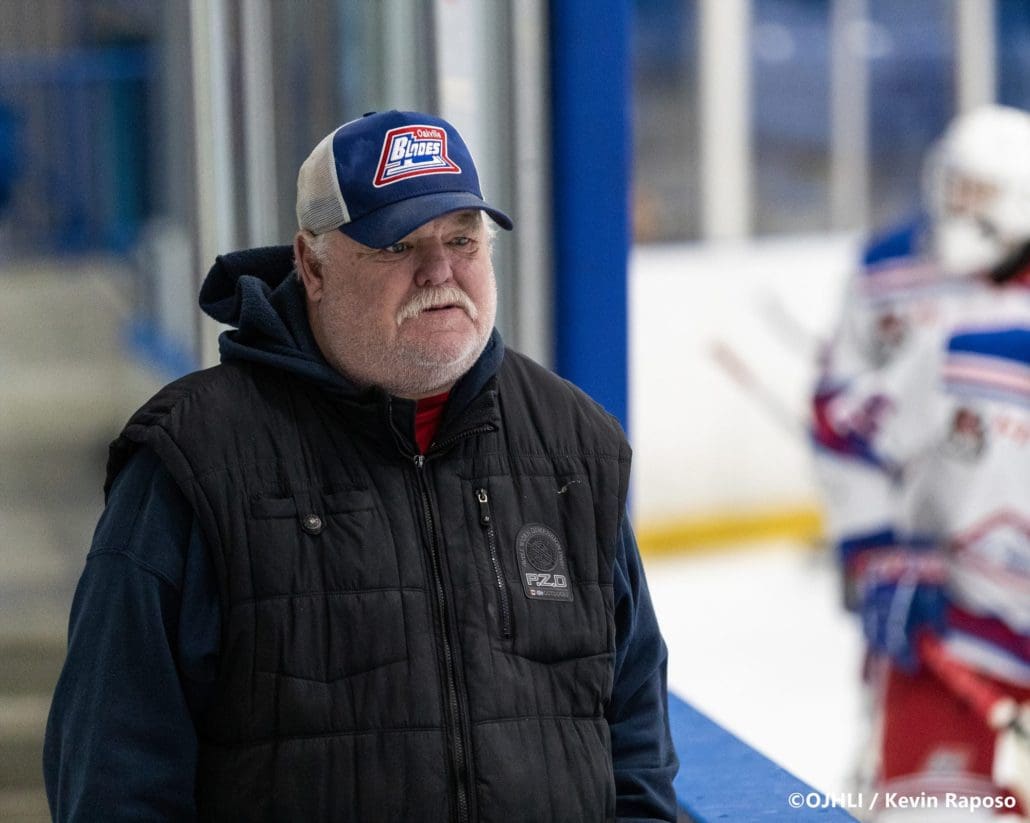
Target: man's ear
point(309, 270)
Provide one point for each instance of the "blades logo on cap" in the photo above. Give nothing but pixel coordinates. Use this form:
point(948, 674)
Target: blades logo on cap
point(411, 151)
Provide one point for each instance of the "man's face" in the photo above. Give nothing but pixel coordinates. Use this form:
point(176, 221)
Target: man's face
point(411, 318)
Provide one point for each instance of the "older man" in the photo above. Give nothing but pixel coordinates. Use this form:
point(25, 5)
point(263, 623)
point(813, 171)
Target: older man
point(374, 566)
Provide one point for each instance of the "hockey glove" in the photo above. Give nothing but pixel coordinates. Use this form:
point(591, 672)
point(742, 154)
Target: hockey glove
point(902, 594)
point(856, 550)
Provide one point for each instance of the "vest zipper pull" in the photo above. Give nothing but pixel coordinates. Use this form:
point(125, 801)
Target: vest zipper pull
point(420, 460)
point(484, 507)
point(487, 522)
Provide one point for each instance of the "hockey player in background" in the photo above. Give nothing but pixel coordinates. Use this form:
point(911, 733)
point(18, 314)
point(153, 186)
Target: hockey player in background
point(891, 292)
point(922, 420)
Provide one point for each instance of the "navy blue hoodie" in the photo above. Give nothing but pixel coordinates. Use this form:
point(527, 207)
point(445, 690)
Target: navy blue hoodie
point(144, 634)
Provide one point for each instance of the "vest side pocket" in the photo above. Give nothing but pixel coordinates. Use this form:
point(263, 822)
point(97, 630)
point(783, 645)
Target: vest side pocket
point(325, 637)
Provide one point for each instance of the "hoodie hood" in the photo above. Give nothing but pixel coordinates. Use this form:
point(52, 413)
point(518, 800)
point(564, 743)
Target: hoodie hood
point(258, 292)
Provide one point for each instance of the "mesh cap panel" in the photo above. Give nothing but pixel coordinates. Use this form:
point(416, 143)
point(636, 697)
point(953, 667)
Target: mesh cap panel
point(320, 205)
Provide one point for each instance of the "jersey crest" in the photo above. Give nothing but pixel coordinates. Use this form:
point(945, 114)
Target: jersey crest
point(411, 151)
point(967, 437)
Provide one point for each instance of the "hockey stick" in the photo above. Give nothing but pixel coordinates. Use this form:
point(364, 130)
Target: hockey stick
point(785, 325)
point(999, 711)
point(757, 389)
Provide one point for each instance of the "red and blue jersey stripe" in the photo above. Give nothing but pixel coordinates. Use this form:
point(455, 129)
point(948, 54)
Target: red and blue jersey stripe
point(992, 364)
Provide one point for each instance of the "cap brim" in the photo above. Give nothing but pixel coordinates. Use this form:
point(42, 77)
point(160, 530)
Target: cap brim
point(391, 223)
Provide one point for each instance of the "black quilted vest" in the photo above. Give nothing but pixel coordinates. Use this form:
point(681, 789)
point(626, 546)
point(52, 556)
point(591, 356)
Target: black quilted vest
point(404, 638)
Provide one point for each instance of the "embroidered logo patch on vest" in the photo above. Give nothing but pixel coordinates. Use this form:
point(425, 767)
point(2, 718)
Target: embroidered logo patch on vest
point(411, 151)
point(542, 564)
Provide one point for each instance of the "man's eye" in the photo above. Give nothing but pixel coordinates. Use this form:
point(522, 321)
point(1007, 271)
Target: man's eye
point(461, 241)
point(396, 248)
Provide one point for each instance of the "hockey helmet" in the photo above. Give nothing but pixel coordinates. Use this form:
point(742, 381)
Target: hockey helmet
point(977, 189)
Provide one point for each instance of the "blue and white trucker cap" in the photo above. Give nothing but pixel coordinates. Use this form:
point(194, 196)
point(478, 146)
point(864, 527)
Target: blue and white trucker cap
point(380, 177)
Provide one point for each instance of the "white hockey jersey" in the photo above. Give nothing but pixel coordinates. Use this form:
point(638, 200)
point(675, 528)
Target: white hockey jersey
point(948, 415)
point(894, 291)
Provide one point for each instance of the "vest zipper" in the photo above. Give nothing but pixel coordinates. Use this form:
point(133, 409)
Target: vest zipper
point(450, 441)
point(458, 748)
point(486, 521)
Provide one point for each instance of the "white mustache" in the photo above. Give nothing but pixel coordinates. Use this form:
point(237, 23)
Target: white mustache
point(438, 297)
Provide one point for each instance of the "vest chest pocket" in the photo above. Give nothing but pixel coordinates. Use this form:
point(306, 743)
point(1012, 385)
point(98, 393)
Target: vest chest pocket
point(333, 502)
point(327, 597)
point(538, 558)
point(316, 540)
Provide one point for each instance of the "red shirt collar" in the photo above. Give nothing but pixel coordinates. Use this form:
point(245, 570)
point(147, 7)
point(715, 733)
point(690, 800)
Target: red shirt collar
point(428, 412)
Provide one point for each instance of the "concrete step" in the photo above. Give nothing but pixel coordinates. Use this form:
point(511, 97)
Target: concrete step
point(70, 402)
point(23, 806)
point(67, 385)
point(67, 376)
point(49, 505)
point(21, 765)
point(22, 725)
point(41, 476)
point(62, 311)
point(30, 669)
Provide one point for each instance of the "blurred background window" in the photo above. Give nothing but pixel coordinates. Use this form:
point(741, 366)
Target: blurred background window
point(100, 148)
point(845, 98)
point(666, 154)
point(910, 50)
point(1013, 32)
point(790, 79)
point(85, 75)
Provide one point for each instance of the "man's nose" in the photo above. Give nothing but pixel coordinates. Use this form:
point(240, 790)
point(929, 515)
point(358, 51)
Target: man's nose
point(434, 266)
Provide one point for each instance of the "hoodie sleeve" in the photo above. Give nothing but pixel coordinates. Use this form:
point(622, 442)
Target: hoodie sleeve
point(142, 649)
point(644, 760)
